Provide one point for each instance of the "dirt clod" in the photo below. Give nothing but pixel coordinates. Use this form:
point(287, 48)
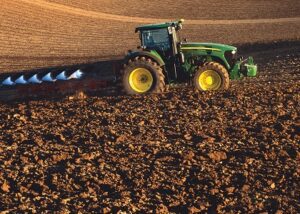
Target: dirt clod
point(5, 187)
point(217, 156)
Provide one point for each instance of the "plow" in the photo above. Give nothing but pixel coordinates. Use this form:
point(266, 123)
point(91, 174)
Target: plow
point(58, 81)
point(161, 59)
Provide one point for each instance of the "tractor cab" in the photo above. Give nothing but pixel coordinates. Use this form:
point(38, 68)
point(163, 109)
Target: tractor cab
point(163, 39)
point(160, 37)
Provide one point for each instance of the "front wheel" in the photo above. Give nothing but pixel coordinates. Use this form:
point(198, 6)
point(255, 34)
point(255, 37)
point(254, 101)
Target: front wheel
point(142, 75)
point(211, 76)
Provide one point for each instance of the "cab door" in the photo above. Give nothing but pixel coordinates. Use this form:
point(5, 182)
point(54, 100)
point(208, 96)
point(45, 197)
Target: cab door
point(162, 41)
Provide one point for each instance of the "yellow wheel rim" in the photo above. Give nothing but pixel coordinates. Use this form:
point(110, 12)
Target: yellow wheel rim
point(210, 80)
point(140, 80)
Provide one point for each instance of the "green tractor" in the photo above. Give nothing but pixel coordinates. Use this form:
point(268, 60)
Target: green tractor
point(163, 59)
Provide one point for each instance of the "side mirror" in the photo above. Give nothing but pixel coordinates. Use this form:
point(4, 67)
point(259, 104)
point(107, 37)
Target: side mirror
point(179, 26)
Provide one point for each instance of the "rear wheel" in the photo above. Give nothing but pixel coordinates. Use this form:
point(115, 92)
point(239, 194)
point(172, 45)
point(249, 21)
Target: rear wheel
point(142, 75)
point(211, 76)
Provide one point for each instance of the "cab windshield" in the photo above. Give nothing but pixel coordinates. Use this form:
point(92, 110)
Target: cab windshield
point(156, 39)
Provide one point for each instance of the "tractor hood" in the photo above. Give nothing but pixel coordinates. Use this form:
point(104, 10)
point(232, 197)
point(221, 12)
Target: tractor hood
point(207, 46)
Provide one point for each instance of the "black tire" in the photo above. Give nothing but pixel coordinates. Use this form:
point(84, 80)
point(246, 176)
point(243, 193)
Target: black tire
point(219, 70)
point(158, 83)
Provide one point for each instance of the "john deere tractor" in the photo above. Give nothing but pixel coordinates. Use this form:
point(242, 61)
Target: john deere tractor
point(162, 58)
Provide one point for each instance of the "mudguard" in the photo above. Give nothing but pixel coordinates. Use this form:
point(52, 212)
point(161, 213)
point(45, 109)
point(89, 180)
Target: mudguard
point(151, 54)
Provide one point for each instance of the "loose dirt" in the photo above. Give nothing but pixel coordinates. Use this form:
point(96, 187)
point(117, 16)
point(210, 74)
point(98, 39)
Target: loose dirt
point(235, 151)
point(39, 33)
point(181, 151)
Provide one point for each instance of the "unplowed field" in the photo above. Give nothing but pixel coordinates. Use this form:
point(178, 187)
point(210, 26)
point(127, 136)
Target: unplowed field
point(189, 9)
point(183, 151)
point(42, 33)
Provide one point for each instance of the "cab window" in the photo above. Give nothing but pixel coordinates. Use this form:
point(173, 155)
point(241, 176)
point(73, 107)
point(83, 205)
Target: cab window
point(156, 39)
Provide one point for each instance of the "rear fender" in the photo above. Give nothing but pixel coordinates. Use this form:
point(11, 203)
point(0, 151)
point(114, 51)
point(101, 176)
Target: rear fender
point(153, 55)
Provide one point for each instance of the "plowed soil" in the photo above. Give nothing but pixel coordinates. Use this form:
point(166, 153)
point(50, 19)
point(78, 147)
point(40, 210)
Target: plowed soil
point(42, 33)
point(235, 151)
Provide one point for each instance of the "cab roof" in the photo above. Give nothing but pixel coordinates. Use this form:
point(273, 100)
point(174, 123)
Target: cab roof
point(159, 26)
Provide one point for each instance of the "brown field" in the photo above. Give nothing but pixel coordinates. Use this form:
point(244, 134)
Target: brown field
point(182, 151)
point(38, 33)
point(235, 151)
